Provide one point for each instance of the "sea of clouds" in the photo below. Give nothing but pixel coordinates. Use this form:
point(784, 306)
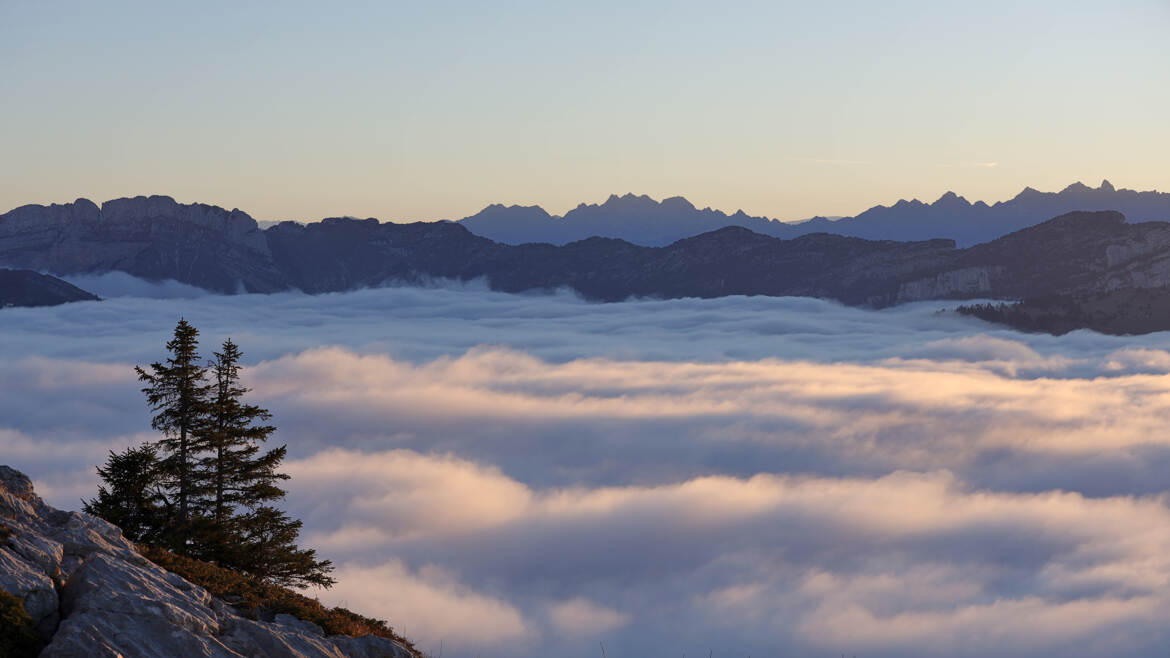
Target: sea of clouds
point(512, 475)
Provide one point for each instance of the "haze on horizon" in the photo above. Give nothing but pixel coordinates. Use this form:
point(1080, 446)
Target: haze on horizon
point(403, 111)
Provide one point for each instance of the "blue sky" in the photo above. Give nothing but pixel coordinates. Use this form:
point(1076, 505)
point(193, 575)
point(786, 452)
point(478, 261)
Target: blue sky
point(433, 110)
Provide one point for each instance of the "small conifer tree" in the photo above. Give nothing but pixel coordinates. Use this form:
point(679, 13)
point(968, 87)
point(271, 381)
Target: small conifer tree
point(131, 497)
point(272, 554)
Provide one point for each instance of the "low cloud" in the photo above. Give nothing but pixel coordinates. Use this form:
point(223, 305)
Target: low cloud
point(908, 563)
point(430, 606)
point(120, 284)
point(580, 616)
point(515, 475)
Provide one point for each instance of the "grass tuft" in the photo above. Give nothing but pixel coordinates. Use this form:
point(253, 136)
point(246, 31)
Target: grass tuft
point(18, 636)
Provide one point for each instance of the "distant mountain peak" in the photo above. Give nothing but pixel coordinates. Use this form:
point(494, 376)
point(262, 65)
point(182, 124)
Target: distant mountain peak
point(643, 220)
point(513, 206)
point(951, 199)
point(903, 203)
point(629, 199)
point(677, 203)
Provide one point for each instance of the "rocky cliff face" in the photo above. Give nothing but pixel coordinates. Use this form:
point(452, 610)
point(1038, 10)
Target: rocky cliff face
point(90, 591)
point(962, 283)
point(149, 237)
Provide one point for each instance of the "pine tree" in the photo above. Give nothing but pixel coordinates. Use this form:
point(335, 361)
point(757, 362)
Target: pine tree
point(234, 473)
point(132, 498)
point(246, 531)
point(177, 392)
point(272, 555)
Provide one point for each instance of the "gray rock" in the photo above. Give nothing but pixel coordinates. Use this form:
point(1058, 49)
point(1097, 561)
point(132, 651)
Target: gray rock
point(93, 595)
point(153, 238)
point(966, 282)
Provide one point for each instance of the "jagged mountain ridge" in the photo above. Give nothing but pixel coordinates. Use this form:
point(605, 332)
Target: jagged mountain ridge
point(157, 238)
point(637, 219)
point(641, 220)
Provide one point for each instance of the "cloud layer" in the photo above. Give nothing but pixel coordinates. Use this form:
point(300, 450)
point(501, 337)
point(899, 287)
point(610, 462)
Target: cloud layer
point(529, 475)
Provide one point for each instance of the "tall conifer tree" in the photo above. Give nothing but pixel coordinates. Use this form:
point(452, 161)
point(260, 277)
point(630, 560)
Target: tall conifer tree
point(234, 472)
point(177, 392)
point(246, 531)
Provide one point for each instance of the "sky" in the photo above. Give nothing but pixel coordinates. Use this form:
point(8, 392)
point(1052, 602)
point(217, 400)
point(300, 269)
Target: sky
point(408, 111)
point(530, 475)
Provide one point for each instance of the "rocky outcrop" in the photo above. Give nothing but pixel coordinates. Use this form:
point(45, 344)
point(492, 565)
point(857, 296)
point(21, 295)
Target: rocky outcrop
point(1075, 252)
point(962, 283)
point(152, 238)
point(88, 589)
point(28, 288)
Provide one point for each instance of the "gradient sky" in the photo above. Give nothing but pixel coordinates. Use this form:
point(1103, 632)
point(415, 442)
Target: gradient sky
point(433, 110)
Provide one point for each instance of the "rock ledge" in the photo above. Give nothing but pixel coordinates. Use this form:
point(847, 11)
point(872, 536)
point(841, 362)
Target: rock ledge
point(89, 589)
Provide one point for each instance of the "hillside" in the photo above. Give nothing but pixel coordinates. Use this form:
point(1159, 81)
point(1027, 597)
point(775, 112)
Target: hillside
point(1126, 311)
point(28, 288)
point(84, 587)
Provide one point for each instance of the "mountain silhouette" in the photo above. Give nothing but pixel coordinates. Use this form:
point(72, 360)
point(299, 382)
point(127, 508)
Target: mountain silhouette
point(28, 288)
point(642, 220)
point(156, 238)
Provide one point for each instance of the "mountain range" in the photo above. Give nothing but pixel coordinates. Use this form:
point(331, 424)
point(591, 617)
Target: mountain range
point(642, 220)
point(156, 238)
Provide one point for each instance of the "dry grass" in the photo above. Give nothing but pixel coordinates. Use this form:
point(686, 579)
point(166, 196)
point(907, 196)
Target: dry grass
point(256, 597)
point(18, 638)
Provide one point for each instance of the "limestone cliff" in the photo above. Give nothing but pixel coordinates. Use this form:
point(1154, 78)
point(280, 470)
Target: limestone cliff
point(149, 237)
point(962, 283)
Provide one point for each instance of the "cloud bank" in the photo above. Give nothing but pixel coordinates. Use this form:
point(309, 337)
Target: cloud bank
point(529, 475)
